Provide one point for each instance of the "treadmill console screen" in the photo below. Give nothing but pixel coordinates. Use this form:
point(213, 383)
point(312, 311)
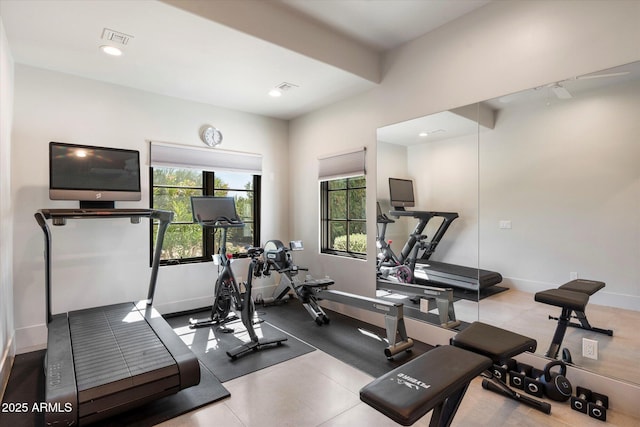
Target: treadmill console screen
point(401, 193)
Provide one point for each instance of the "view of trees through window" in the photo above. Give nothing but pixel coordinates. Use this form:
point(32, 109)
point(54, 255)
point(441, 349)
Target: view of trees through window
point(186, 240)
point(344, 226)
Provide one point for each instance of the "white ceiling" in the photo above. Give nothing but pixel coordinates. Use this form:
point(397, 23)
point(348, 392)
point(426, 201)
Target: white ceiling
point(384, 24)
point(431, 128)
point(228, 53)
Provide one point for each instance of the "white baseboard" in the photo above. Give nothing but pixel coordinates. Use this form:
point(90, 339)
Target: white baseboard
point(31, 338)
point(6, 363)
point(259, 292)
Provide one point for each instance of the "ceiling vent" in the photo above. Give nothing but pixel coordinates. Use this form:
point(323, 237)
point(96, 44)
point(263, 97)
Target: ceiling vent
point(115, 36)
point(284, 86)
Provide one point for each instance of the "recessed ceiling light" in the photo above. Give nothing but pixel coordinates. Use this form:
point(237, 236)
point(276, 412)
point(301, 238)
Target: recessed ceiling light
point(275, 92)
point(424, 134)
point(111, 50)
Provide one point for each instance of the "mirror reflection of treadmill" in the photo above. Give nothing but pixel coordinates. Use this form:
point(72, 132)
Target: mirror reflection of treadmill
point(429, 272)
point(458, 276)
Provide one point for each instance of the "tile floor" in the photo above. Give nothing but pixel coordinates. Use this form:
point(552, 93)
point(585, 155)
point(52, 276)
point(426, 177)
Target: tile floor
point(319, 390)
point(618, 354)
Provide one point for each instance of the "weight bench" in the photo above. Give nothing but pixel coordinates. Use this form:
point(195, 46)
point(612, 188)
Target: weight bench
point(573, 297)
point(438, 379)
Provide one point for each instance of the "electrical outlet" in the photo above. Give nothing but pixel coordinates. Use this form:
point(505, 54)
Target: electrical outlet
point(504, 224)
point(590, 348)
point(424, 305)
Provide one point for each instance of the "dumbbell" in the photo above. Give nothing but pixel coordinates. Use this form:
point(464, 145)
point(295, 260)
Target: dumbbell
point(581, 400)
point(517, 376)
point(598, 406)
point(500, 371)
point(532, 383)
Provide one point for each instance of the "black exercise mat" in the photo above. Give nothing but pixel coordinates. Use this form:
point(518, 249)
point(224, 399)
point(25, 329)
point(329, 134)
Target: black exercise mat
point(26, 386)
point(352, 341)
point(210, 345)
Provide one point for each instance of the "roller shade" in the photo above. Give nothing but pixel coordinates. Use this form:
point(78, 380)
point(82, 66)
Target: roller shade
point(342, 165)
point(206, 159)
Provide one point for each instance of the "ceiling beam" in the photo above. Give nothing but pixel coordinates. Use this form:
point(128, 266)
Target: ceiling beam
point(289, 29)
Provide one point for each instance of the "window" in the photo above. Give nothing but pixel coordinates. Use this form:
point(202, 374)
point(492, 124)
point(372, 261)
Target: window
point(186, 241)
point(344, 222)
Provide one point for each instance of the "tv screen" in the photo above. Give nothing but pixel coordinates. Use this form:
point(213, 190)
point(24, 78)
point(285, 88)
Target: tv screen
point(401, 193)
point(93, 174)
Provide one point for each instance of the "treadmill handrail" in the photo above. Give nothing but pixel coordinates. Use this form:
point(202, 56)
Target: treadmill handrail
point(423, 218)
point(41, 216)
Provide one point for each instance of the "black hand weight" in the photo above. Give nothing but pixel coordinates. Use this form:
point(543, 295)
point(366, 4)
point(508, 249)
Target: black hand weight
point(556, 385)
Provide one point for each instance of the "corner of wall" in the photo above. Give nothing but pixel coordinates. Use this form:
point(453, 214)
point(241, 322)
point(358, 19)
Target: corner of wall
point(6, 363)
point(7, 330)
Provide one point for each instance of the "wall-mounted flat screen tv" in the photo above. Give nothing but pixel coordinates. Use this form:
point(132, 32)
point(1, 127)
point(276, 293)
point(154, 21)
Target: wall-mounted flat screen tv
point(95, 176)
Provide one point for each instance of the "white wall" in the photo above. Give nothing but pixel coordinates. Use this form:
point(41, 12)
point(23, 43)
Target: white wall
point(446, 180)
point(501, 48)
point(568, 177)
point(7, 343)
point(392, 162)
point(101, 262)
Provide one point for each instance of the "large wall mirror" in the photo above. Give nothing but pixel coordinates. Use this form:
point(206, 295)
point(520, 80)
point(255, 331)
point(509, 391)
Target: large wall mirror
point(546, 183)
point(437, 157)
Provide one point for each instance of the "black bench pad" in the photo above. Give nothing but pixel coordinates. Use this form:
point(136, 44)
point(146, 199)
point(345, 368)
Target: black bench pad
point(588, 287)
point(408, 392)
point(572, 300)
point(496, 343)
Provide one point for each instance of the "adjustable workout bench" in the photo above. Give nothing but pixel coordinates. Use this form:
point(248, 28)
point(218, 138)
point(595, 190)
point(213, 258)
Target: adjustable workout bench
point(573, 296)
point(439, 378)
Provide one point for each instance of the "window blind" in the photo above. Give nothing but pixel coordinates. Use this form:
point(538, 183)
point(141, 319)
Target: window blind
point(342, 165)
point(206, 159)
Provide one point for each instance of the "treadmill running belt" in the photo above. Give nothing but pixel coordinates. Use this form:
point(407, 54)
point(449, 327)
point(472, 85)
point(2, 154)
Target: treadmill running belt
point(457, 276)
point(115, 349)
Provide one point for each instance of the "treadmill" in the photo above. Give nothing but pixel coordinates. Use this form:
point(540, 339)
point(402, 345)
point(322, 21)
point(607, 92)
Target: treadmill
point(105, 360)
point(426, 272)
point(435, 273)
point(457, 276)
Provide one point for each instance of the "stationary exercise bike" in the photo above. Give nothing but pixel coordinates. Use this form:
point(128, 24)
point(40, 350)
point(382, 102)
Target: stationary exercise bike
point(388, 265)
point(220, 212)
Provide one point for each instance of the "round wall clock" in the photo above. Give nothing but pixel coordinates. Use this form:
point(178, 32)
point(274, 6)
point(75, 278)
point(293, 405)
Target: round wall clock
point(211, 136)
